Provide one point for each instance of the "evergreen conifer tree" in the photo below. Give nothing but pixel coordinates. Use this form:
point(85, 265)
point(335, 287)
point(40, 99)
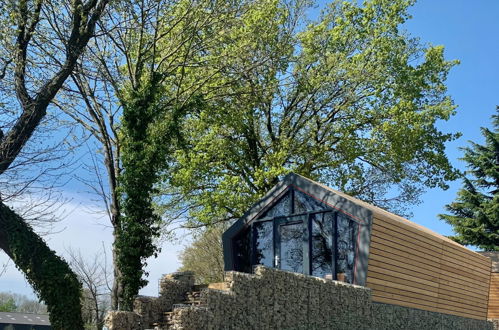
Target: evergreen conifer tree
point(475, 212)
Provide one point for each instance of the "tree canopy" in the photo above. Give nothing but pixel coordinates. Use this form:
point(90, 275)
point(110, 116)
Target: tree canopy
point(221, 99)
point(348, 99)
point(8, 305)
point(474, 215)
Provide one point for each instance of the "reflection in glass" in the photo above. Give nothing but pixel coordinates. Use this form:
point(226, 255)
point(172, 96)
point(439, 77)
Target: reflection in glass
point(281, 208)
point(292, 247)
point(242, 251)
point(264, 249)
point(305, 203)
point(322, 234)
point(347, 238)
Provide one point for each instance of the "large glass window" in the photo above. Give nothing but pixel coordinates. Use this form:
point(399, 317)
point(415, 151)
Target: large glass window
point(281, 208)
point(305, 203)
point(291, 246)
point(264, 243)
point(346, 244)
point(300, 234)
point(322, 244)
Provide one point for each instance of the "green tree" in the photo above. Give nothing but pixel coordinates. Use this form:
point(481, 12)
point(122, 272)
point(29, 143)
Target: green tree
point(205, 255)
point(154, 93)
point(475, 213)
point(349, 100)
point(8, 306)
point(22, 303)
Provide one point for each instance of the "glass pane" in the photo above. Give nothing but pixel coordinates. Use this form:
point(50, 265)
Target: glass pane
point(305, 203)
point(321, 254)
point(264, 249)
point(347, 238)
point(242, 248)
point(292, 247)
point(281, 208)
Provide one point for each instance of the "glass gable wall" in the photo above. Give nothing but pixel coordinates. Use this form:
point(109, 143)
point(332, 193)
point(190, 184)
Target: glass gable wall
point(300, 234)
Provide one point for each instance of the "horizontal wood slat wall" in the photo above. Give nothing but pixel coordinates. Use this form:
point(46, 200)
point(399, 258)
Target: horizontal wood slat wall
point(413, 267)
point(494, 297)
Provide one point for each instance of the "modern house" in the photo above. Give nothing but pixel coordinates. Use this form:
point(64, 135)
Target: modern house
point(305, 227)
point(24, 321)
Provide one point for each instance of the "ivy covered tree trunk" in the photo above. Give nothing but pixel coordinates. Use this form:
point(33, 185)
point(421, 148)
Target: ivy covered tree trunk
point(48, 274)
point(148, 133)
point(141, 158)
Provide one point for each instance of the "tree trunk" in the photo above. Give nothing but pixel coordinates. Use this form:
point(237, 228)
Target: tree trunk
point(49, 274)
point(117, 291)
point(98, 318)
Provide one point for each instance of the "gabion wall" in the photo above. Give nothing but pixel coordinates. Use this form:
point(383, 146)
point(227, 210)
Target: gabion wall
point(149, 310)
point(496, 323)
point(273, 299)
point(120, 320)
point(397, 317)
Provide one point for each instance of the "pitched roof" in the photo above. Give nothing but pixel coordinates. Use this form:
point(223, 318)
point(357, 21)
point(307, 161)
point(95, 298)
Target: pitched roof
point(334, 198)
point(379, 212)
point(339, 202)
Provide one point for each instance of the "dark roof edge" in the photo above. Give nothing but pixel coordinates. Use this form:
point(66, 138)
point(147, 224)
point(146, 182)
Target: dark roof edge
point(24, 319)
point(254, 210)
point(330, 197)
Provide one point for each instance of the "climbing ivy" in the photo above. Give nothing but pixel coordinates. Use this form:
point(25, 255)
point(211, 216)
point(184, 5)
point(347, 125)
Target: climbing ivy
point(49, 275)
point(139, 225)
point(149, 128)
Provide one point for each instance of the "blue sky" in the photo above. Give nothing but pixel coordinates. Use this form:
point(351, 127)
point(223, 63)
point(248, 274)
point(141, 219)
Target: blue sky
point(469, 30)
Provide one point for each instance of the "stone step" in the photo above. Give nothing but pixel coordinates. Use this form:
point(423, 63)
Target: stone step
point(219, 286)
point(192, 299)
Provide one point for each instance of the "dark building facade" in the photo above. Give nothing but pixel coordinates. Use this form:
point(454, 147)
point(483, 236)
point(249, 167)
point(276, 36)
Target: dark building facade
point(302, 227)
point(24, 321)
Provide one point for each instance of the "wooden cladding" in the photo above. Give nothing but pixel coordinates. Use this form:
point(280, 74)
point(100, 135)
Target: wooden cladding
point(494, 297)
point(411, 266)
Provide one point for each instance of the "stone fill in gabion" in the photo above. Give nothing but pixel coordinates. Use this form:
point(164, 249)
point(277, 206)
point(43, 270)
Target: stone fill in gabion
point(398, 317)
point(119, 320)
